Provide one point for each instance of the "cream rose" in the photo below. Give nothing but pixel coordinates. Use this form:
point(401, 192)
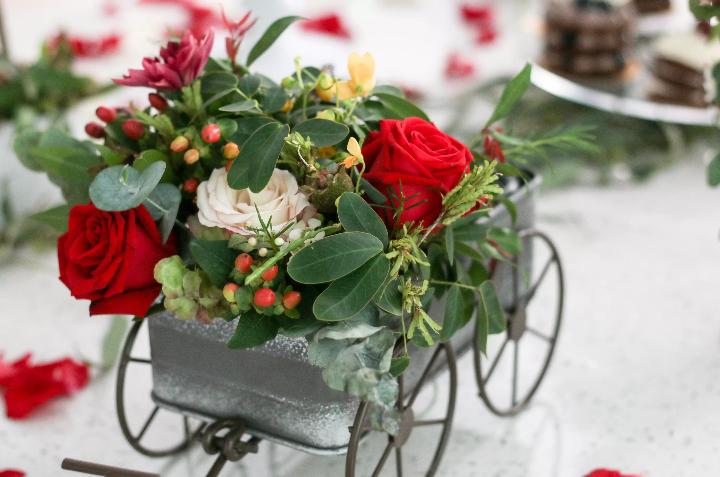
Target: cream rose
point(221, 206)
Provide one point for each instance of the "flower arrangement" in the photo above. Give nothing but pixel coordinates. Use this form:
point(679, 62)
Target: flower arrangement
point(298, 208)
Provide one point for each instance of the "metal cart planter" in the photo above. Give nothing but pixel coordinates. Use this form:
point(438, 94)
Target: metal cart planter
point(197, 376)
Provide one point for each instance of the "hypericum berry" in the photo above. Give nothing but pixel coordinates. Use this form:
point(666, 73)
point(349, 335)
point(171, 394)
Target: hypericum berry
point(192, 156)
point(270, 273)
point(179, 144)
point(231, 150)
point(95, 130)
point(211, 133)
point(264, 297)
point(263, 252)
point(243, 263)
point(229, 292)
point(158, 102)
point(291, 299)
point(190, 186)
point(106, 115)
point(133, 128)
point(228, 166)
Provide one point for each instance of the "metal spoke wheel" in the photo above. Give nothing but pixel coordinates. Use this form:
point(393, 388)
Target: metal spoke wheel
point(412, 440)
point(127, 362)
point(531, 290)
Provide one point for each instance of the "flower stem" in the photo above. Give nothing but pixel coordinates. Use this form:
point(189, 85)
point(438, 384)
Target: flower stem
point(440, 282)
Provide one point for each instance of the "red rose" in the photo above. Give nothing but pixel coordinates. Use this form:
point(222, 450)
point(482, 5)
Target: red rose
point(28, 387)
point(109, 258)
point(426, 161)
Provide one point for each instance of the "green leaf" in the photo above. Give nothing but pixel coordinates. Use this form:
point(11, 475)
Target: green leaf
point(69, 163)
point(471, 232)
point(244, 105)
point(227, 127)
point(249, 85)
point(453, 317)
point(333, 257)
point(215, 258)
point(110, 157)
point(450, 243)
point(389, 297)
point(163, 204)
point(508, 169)
point(22, 143)
point(55, 137)
point(357, 216)
point(57, 217)
point(269, 37)
point(510, 206)
point(121, 188)
point(388, 89)
point(217, 82)
point(151, 156)
point(401, 106)
point(255, 164)
point(322, 132)
point(246, 127)
point(713, 172)
point(399, 365)
point(375, 195)
point(490, 313)
point(511, 94)
point(210, 101)
point(274, 99)
point(477, 273)
point(113, 342)
point(507, 239)
point(253, 330)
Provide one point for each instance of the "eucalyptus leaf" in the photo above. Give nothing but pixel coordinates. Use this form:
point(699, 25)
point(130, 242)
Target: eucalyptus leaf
point(357, 216)
point(347, 296)
point(163, 204)
point(269, 37)
point(215, 258)
point(453, 318)
point(255, 164)
point(511, 94)
point(218, 81)
point(322, 132)
point(121, 188)
point(401, 106)
point(333, 257)
point(253, 330)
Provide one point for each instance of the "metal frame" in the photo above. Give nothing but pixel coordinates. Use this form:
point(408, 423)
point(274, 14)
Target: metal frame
point(517, 328)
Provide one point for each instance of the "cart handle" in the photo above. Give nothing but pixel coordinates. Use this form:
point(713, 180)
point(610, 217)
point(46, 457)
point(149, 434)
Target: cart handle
point(103, 470)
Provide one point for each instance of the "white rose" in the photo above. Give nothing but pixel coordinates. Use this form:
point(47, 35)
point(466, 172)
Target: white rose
point(221, 206)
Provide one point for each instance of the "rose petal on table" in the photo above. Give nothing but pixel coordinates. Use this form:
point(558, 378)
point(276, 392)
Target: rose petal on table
point(458, 67)
point(83, 47)
point(11, 473)
point(10, 370)
point(330, 24)
point(608, 473)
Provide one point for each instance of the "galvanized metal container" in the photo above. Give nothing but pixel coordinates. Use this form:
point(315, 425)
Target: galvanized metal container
point(273, 388)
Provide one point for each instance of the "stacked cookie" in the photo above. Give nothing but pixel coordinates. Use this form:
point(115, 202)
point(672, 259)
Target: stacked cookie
point(589, 37)
point(683, 69)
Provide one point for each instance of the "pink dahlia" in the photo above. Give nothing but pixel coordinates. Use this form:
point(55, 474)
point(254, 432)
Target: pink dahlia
point(181, 64)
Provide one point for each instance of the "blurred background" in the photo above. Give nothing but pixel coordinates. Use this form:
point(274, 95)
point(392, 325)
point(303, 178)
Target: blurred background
point(633, 385)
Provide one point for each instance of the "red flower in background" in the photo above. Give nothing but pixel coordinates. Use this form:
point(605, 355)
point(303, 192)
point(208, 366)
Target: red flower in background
point(87, 47)
point(237, 33)
point(419, 158)
point(109, 258)
point(28, 387)
point(330, 24)
point(493, 148)
point(201, 20)
point(459, 68)
point(482, 19)
point(11, 473)
point(608, 473)
point(182, 64)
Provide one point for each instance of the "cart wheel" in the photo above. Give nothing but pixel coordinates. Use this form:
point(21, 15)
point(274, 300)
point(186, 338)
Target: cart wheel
point(444, 356)
point(522, 322)
point(134, 439)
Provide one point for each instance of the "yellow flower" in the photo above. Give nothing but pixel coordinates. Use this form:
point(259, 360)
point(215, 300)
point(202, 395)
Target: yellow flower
point(288, 106)
point(327, 114)
point(356, 156)
point(326, 87)
point(325, 152)
point(362, 77)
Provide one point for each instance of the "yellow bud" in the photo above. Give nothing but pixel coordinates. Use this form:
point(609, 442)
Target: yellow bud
point(326, 87)
point(288, 106)
point(327, 114)
point(192, 156)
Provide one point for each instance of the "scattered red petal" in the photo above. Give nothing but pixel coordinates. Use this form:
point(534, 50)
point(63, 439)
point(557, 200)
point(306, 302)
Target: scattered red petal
point(28, 387)
point(608, 473)
point(11, 473)
point(9, 370)
point(473, 13)
point(110, 8)
point(459, 68)
point(330, 24)
point(486, 36)
point(88, 47)
point(200, 19)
